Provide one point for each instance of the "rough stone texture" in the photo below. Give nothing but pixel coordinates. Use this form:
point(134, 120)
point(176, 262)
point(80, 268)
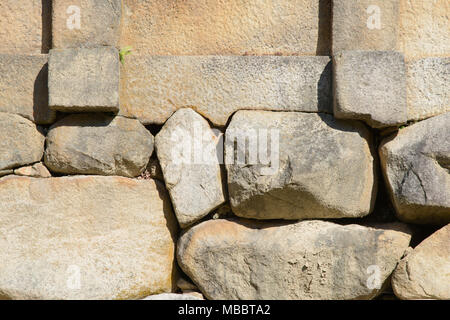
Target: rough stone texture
point(424, 28)
point(424, 272)
point(99, 23)
point(428, 87)
point(96, 227)
point(23, 87)
point(21, 143)
point(37, 170)
point(351, 19)
point(416, 164)
point(186, 149)
point(234, 27)
point(172, 296)
point(85, 79)
point(216, 86)
point(303, 260)
point(370, 86)
point(25, 26)
point(98, 144)
point(324, 167)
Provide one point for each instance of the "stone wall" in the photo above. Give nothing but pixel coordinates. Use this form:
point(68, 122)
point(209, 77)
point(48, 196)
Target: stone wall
point(244, 149)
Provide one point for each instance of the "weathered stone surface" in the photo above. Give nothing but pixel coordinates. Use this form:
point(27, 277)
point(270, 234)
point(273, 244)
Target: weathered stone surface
point(21, 142)
point(370, 86)
point(37, 170)
point(424, 28)
point(424, 272)
point(186, 149)
point(23, 87)
point(25, 26)
point(216, 86)
point(99, 23)
point(364, 25)
point(320, 168)
point(303, 260)
point(172, 296)
point(85, 238)
point(416, 164)
point(428, 87)
point(234, 27)
point(98, 144)
point(85, 79)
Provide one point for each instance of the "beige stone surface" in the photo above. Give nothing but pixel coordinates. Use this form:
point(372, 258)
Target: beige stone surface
point(297, 261)
point(351, 21)
point(425, 272)
point(370, 86)
point(424, 28)
point(85, 238)
point(96, 143)
point(152, 88)
point(295, 165)
point(234, 27)
point(99, 23)
point(21, 141)
point(23, 87)
point(37, 170)
point(187, 151)
point(84, 79)
point(428, 87)
point(25, 26)
point(416, 163)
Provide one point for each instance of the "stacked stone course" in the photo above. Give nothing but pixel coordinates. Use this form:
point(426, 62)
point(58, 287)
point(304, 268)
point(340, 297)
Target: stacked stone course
point(259, 147)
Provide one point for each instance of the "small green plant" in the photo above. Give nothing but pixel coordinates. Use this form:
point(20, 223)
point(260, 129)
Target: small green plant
point(124, 52)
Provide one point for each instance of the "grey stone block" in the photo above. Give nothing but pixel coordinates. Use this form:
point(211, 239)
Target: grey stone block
point(370, 86)
point(84, 79)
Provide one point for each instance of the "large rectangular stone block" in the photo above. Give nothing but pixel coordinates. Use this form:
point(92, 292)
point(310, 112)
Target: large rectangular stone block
point(86, 23)
point(25, 26)
point(370, 86)
point(153, 87)
point(84, 79)
point(204, 27)
point(428, 87)
point(424, 28)
point(364, 25)
point(23, 87)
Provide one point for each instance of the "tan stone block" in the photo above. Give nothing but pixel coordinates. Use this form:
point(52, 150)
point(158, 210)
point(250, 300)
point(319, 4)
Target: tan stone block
point(204, 27)
point(424, 272)
point(25, 26)
point(424, 28)
point(23, 87)
point(428, 87)
point(84, 79)
point(85, 237)
point(364, 25)
point(86, 23)
point(154, 87)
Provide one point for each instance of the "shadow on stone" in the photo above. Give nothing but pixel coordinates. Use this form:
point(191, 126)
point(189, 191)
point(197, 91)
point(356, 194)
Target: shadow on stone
point(324, 36)
point(41, 111)
point(46, 26)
